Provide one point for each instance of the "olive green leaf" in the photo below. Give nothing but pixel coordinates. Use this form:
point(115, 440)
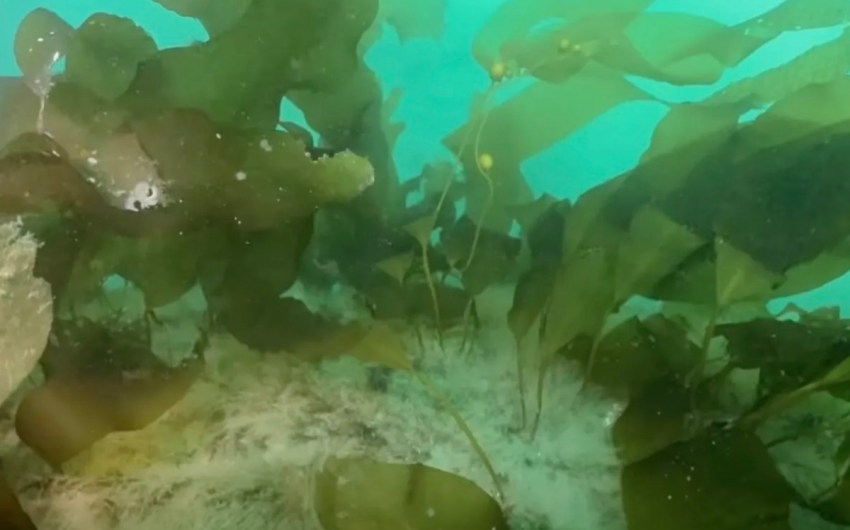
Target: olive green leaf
point(217, 17)
point(531, 296)
point(820, 64)
point(582, 298)
point(397, 266)
point(682, 140)
point(494, 257)
point(518, 20)
point(165, 267)
point(740, 277)
point(381, 345)
point(526, 125)
point(40, 42)
point(355, 493)
point(800, 14)
point(105, 52)
point(414, 21)
point(92, 406)
point(717, 481)
point(654, 420)
point(808, 112)
point(828, 266)
point(653, 247)
point(835, 508)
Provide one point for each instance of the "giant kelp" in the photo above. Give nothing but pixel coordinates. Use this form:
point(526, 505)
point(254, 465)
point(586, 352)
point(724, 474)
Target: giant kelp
point(234, 216)
point(716, 214)
point(173, 169)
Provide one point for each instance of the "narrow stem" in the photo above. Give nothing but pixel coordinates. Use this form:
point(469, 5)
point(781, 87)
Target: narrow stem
point(695, 376)
point(520, 374)
point(466, 324)
point(541, 379)
point(594, 348)
point(426, 267)
point(491, 192)
point(476, 446)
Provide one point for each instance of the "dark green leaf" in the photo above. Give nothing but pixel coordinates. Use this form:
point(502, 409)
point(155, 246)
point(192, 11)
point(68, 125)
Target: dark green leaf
point(357, 493)
point(40, 42)
point(105, 52)
point(717, 481)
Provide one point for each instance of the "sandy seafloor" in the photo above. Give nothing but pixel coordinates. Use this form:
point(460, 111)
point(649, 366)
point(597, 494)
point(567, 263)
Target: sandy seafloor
point(239, 452)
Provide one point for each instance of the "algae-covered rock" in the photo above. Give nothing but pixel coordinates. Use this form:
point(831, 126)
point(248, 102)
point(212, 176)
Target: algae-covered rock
point(25, 309)
point(12, 514)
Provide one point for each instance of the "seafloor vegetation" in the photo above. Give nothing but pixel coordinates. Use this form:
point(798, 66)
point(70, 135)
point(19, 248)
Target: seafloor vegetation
point(171, 170)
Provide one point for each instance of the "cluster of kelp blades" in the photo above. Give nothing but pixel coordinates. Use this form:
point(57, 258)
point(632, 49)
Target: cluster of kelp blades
point(719, 215)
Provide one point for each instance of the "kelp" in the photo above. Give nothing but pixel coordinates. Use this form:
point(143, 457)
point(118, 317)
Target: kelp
point(663, 414)
point(173, 170)
point(536, 119)
point(41, 42)
point(420, 21)
point(100, 377)
point(217, 17)
point(717, 196)
point(104, 55)
point(483, 260)
point(420, 230)
point(789, 354)
point(212, 195)
point(290, 36)
point(799, 14)
point(358, 492)
point(820, 64)
point(516, 20)
point(424, 21)
point(379, 345)
point(354, 116)
point(382, 345)
point(696, 52)
point(655, 419)
point(815, 111)
point(700, 220)
point(68, 414)
point(84, 346)
point(833, 507)
point(555, 40)
point(720, 480)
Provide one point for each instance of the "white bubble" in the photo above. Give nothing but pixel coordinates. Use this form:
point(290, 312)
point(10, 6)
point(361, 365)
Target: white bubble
point(143, 195)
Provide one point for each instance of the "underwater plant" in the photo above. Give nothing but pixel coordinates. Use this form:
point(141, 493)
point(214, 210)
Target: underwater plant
point(172, 171)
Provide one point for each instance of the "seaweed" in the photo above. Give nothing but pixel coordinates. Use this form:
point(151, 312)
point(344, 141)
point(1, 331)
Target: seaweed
point(718, 480)
point(351, 492)
point(173, 172)
point(70, 413)
point(104, 54)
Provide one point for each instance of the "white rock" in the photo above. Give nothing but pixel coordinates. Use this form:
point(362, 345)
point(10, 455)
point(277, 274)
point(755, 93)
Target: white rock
point(26, 309)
